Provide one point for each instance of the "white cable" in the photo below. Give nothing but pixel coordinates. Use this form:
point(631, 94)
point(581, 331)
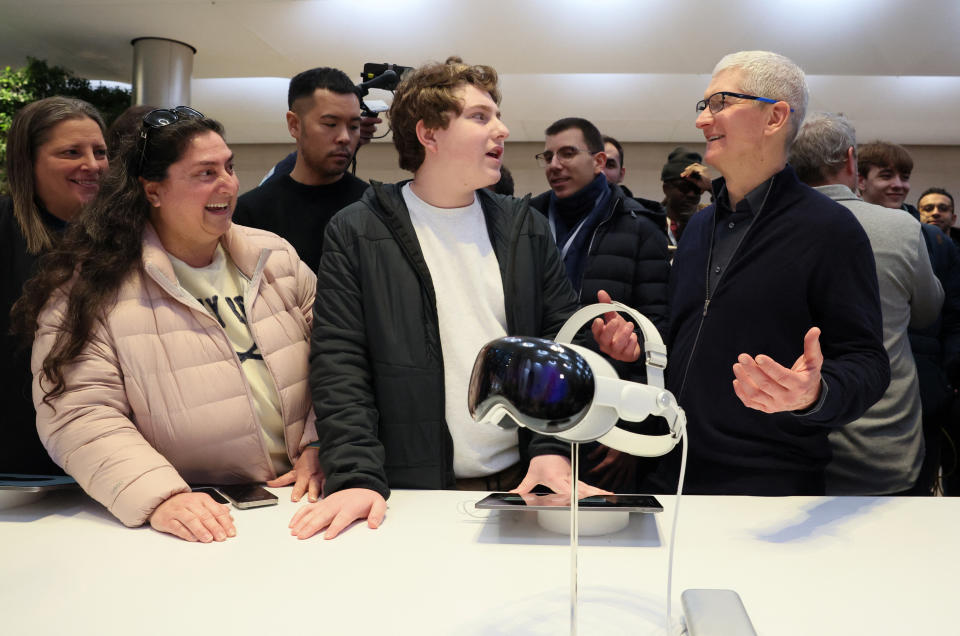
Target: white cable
point(463, 507)
point(673, 530)
point(574, 534)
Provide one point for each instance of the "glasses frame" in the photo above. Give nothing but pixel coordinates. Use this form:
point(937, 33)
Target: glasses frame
point(158, 118)
point(542, 161)
point(704, 104)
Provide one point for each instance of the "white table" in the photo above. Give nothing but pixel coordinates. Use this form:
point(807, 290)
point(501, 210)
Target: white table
point(803, 565)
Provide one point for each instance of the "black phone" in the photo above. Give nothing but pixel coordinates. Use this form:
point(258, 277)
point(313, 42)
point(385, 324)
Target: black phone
point(214, 494)
point(626, 503)
point(245, 496)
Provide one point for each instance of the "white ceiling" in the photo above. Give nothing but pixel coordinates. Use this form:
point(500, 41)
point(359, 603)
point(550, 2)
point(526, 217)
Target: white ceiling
point(635, 68)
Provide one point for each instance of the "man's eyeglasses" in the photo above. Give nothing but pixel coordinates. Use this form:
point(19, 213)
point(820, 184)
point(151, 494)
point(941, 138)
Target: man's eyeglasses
point(717, 101)
point(159, 118)
point(563, 155)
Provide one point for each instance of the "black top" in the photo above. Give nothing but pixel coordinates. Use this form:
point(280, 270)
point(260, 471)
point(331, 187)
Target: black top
point(20, 447)
point(732, 225)
point(297, 212)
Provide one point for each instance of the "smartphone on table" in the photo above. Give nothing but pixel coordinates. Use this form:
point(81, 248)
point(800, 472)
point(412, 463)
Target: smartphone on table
point(245, 496)
point(213, 492)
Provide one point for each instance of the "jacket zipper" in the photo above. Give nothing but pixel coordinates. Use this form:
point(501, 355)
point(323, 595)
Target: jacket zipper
point(593, 237)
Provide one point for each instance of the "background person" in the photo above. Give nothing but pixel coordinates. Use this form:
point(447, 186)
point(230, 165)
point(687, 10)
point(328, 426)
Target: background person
point(883, 174)
point(171, 346)
point(125, 129)
point(609, 242)
point(880, 453)
point(936, 208)
point(684, 182)
point(56, 156)
point(324, 118)
point(614, 168)
point(884, 170)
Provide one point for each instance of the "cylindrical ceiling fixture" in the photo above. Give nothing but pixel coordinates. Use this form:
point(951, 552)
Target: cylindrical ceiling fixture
point(162, 69)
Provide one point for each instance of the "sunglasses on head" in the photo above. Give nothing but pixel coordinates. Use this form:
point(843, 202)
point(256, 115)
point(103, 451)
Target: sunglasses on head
point(158, 118)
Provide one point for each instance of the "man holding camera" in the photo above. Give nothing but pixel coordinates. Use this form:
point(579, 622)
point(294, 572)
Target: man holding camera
point(325, 120)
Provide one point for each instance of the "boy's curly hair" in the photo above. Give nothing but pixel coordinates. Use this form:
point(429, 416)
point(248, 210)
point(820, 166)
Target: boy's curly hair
point(429, 93)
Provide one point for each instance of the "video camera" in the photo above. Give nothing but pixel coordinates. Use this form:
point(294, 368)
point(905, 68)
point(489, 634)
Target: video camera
point(383, 76)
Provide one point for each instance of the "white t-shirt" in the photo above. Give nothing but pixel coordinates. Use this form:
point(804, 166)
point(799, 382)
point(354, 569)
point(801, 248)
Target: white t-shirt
point(219, 288)
point(470, 309)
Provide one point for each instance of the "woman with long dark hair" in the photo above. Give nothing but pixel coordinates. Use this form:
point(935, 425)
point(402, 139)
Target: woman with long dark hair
point(56, 156)
point(171, 345)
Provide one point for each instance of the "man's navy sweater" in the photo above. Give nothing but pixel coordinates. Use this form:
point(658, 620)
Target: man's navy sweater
point(805, 262)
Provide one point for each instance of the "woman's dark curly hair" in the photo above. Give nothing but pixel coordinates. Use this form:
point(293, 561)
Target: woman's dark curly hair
point(102, 246)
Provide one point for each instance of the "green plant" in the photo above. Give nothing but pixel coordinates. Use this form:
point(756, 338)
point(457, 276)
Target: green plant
point(36, 80)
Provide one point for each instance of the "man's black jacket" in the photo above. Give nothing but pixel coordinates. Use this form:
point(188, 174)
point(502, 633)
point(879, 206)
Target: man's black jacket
point(627, 257)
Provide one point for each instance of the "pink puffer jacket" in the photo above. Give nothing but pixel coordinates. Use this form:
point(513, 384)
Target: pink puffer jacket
point(158, 398)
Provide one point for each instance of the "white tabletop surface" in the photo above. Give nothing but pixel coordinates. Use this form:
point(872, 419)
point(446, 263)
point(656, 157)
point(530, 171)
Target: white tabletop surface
point(802, 565)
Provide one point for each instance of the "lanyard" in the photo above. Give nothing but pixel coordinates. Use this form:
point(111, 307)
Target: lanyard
point(566, 246)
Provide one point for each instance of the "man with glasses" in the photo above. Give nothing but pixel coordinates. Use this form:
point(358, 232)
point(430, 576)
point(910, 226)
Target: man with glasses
point(776, 283)
point(936, 208)
point(608, 241)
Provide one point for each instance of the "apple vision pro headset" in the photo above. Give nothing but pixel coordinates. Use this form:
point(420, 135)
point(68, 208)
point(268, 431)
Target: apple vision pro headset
point(570, 392)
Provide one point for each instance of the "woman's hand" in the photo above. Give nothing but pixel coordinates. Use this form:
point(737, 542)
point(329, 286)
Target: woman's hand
point(306, 476)
point(194, 516)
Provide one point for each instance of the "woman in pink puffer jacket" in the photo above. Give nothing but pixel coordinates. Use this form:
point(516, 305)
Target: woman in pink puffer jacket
point(171, 346)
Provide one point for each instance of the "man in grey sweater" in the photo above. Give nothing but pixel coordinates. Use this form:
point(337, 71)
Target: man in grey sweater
point(882, 452)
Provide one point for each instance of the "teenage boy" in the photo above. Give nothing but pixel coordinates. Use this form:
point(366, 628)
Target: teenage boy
point(884, 170)
point(414, 279)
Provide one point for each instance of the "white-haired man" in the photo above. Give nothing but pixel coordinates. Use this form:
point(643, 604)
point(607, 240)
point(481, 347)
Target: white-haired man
point(776, 281)
point(882, 452)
